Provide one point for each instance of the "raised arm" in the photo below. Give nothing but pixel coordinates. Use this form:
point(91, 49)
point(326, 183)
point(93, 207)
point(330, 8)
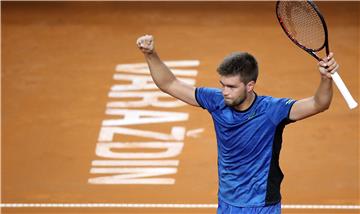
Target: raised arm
point(161, 74)
point(322, 98)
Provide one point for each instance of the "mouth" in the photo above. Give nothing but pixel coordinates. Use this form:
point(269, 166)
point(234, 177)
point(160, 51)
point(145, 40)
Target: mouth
point(227, 100)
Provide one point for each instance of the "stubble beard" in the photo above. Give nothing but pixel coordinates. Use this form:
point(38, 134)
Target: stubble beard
point(236, 102)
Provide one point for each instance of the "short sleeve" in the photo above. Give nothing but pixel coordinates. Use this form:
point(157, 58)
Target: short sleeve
point(208, 98)
point(279, 110)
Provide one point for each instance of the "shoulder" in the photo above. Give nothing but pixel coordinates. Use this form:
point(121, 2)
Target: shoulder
point(209, 93)
point(274, 101)
point(278, 109)
point(208, 90)
point(264, 101)
point(273, 104)
point(209, 98)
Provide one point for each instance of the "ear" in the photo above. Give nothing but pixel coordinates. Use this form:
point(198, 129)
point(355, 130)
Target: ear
point(250, 86)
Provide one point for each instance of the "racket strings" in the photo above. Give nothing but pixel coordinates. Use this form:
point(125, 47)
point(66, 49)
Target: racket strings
point(302, 23)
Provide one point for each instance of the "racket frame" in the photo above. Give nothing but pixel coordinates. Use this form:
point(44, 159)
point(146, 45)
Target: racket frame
point(312, 52)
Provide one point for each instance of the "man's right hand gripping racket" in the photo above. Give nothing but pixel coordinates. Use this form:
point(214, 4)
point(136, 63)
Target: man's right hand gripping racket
point(306, 27)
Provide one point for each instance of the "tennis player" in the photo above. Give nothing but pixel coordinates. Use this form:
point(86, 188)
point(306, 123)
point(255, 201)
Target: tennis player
point(248, 126)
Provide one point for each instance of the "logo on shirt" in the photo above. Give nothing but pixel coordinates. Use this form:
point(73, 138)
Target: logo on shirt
point(253, 114)
point(289, 102)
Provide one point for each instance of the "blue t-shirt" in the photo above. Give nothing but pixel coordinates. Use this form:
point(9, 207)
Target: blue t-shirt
point(249, 144)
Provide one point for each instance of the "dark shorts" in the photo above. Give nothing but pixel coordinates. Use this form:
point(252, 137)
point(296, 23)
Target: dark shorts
point(224, 208)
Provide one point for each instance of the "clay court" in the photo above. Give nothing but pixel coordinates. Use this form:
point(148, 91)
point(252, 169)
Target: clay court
point(82, 124)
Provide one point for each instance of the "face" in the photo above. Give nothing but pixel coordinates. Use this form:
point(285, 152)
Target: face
point(234, 91)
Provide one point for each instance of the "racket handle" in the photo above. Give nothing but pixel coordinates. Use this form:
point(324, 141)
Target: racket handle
point(344, 91)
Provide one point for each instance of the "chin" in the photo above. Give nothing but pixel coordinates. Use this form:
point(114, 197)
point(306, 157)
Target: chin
point(231, 103)
point(228, 102)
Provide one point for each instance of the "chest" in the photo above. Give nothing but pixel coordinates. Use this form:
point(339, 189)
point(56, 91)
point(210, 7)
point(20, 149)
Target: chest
point(242, 131)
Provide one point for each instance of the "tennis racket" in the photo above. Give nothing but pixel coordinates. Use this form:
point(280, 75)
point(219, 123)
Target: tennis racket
point(306, 27)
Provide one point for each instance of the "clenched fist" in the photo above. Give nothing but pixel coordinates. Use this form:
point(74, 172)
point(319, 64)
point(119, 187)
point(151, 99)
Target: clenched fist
point(328, 66)
point(146, 44)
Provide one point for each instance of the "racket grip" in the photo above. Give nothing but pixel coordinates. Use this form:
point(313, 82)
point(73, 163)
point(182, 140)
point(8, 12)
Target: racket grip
point(343, 90)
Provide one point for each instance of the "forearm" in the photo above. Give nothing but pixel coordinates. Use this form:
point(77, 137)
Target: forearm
point(322, 98)
point(160, 73)
point(323, 94)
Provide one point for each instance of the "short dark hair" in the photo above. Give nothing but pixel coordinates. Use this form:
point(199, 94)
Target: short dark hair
point(239, 63)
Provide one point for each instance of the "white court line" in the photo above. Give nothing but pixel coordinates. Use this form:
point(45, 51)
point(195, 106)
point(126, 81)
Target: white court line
point(115, 205)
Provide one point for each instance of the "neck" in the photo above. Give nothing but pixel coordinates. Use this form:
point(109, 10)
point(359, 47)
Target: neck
point(250, 98)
